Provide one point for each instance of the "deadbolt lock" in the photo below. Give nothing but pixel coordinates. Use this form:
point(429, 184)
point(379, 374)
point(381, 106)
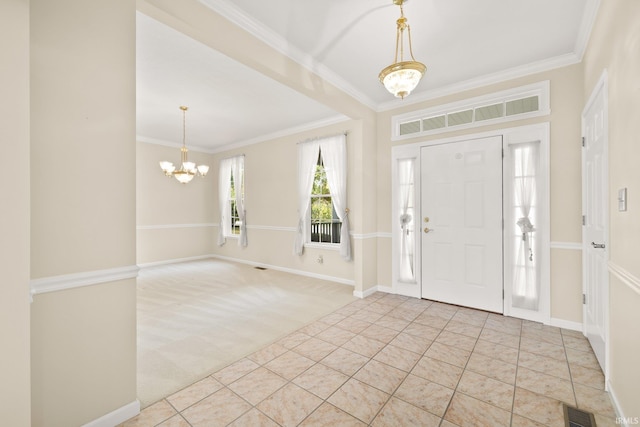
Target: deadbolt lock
point(426, 219)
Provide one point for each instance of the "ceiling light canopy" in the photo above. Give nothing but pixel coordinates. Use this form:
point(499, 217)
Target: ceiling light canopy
point(401, 77)
point(187, 169)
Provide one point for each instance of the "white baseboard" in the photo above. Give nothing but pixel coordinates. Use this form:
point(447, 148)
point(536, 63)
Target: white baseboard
point(116, 417)
point(386, 289)
point(620, 416)
point(566, 324)
point(174, 261)
point(287, 270)
point(361, 294)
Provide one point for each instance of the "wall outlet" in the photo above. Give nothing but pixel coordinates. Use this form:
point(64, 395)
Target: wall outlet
point(320, 260)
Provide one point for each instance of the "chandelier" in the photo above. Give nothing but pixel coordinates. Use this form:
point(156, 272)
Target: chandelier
point(187, 169)
point(401, 77)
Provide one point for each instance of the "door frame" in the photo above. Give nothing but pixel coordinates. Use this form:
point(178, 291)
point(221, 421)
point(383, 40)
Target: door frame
point(600, 88)
point(541, 132)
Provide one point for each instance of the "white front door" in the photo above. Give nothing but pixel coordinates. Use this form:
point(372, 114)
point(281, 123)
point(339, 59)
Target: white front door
point(461, 224)
point(596, 221)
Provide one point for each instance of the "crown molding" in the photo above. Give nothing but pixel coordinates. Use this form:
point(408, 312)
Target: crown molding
point(165, 143)
point(235, 15)
point(285, 132)
point(586, 27)
point(486, 80)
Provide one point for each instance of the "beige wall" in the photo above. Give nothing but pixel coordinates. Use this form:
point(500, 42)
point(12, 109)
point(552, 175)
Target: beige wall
point(173, 220)
point(615, 46)
point(82, 207)
point(271, 203)
point(15, 397)
point(565, 158)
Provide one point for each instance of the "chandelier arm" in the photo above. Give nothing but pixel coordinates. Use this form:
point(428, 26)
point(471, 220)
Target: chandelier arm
point(410, 47)
point(184, 126)
point(402, 23)
point(398, 40)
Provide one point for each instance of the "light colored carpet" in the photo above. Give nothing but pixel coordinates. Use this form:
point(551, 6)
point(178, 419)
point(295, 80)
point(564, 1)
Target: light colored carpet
point(197, 317)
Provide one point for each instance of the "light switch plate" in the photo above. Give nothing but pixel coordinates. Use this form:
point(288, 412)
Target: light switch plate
point(622, 200)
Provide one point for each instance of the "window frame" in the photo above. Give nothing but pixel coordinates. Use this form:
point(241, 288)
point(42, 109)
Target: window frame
point(309, 219)
point(232, 230)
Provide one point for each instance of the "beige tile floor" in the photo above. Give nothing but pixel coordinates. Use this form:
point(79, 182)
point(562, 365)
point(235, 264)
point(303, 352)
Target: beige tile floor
point(394, 361)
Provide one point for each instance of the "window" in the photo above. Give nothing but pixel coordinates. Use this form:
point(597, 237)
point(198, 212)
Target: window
point(231, 200)
point(406, 214)
point(524, 240)
point(236, 223)
point(323, 215)
point(513, 104)
point(324, 224)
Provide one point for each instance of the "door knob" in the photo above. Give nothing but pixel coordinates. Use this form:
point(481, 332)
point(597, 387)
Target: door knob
point(427, 229)
point(598, 245)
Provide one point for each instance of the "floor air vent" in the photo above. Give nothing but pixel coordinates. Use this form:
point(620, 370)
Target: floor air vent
point(574, 417)
point(260, 268)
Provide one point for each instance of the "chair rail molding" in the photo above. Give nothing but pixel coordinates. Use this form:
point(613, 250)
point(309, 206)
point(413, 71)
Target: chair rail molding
point(77, 280)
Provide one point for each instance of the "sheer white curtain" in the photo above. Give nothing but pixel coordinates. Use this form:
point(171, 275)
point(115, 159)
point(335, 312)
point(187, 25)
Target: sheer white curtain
point(307, 160)
point(407, 240)
point(334, 156)
point(224, 192)
point(237, 167)
point(526, 283)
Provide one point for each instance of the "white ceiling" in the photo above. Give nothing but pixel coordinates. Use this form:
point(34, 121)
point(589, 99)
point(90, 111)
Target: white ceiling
point(464, 43)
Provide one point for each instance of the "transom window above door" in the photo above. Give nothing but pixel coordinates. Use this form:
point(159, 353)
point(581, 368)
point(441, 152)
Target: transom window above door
point(513, 104)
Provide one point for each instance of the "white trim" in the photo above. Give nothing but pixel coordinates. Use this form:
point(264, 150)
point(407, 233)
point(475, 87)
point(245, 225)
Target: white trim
point(566, 324)
point(77, 280)
point(540, 89)
point(364, 294)
point(277, 42)
point(267, 137)
point(173, 261)
point(282, 133)
point(601, 88)
point(271, 228)
point(168, 226)
point(365, 236)
point(116, 417)
point(287, 270)
point(489, 79)
point(356, 236)
point(324, 246)
point(621, 419)
point(566, 245)
point(164, 143)
point(385, 289)
point(586, 26)
point(280, 44)
point(625, 277)
point(539, 132)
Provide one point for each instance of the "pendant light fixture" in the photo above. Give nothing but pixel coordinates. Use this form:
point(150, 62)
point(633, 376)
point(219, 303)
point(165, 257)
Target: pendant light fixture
point(401, 77)
point(187, 169)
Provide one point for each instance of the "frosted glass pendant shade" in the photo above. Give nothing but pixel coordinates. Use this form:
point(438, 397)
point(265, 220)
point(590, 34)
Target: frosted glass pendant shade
point(183, 176)
point(403, 77)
